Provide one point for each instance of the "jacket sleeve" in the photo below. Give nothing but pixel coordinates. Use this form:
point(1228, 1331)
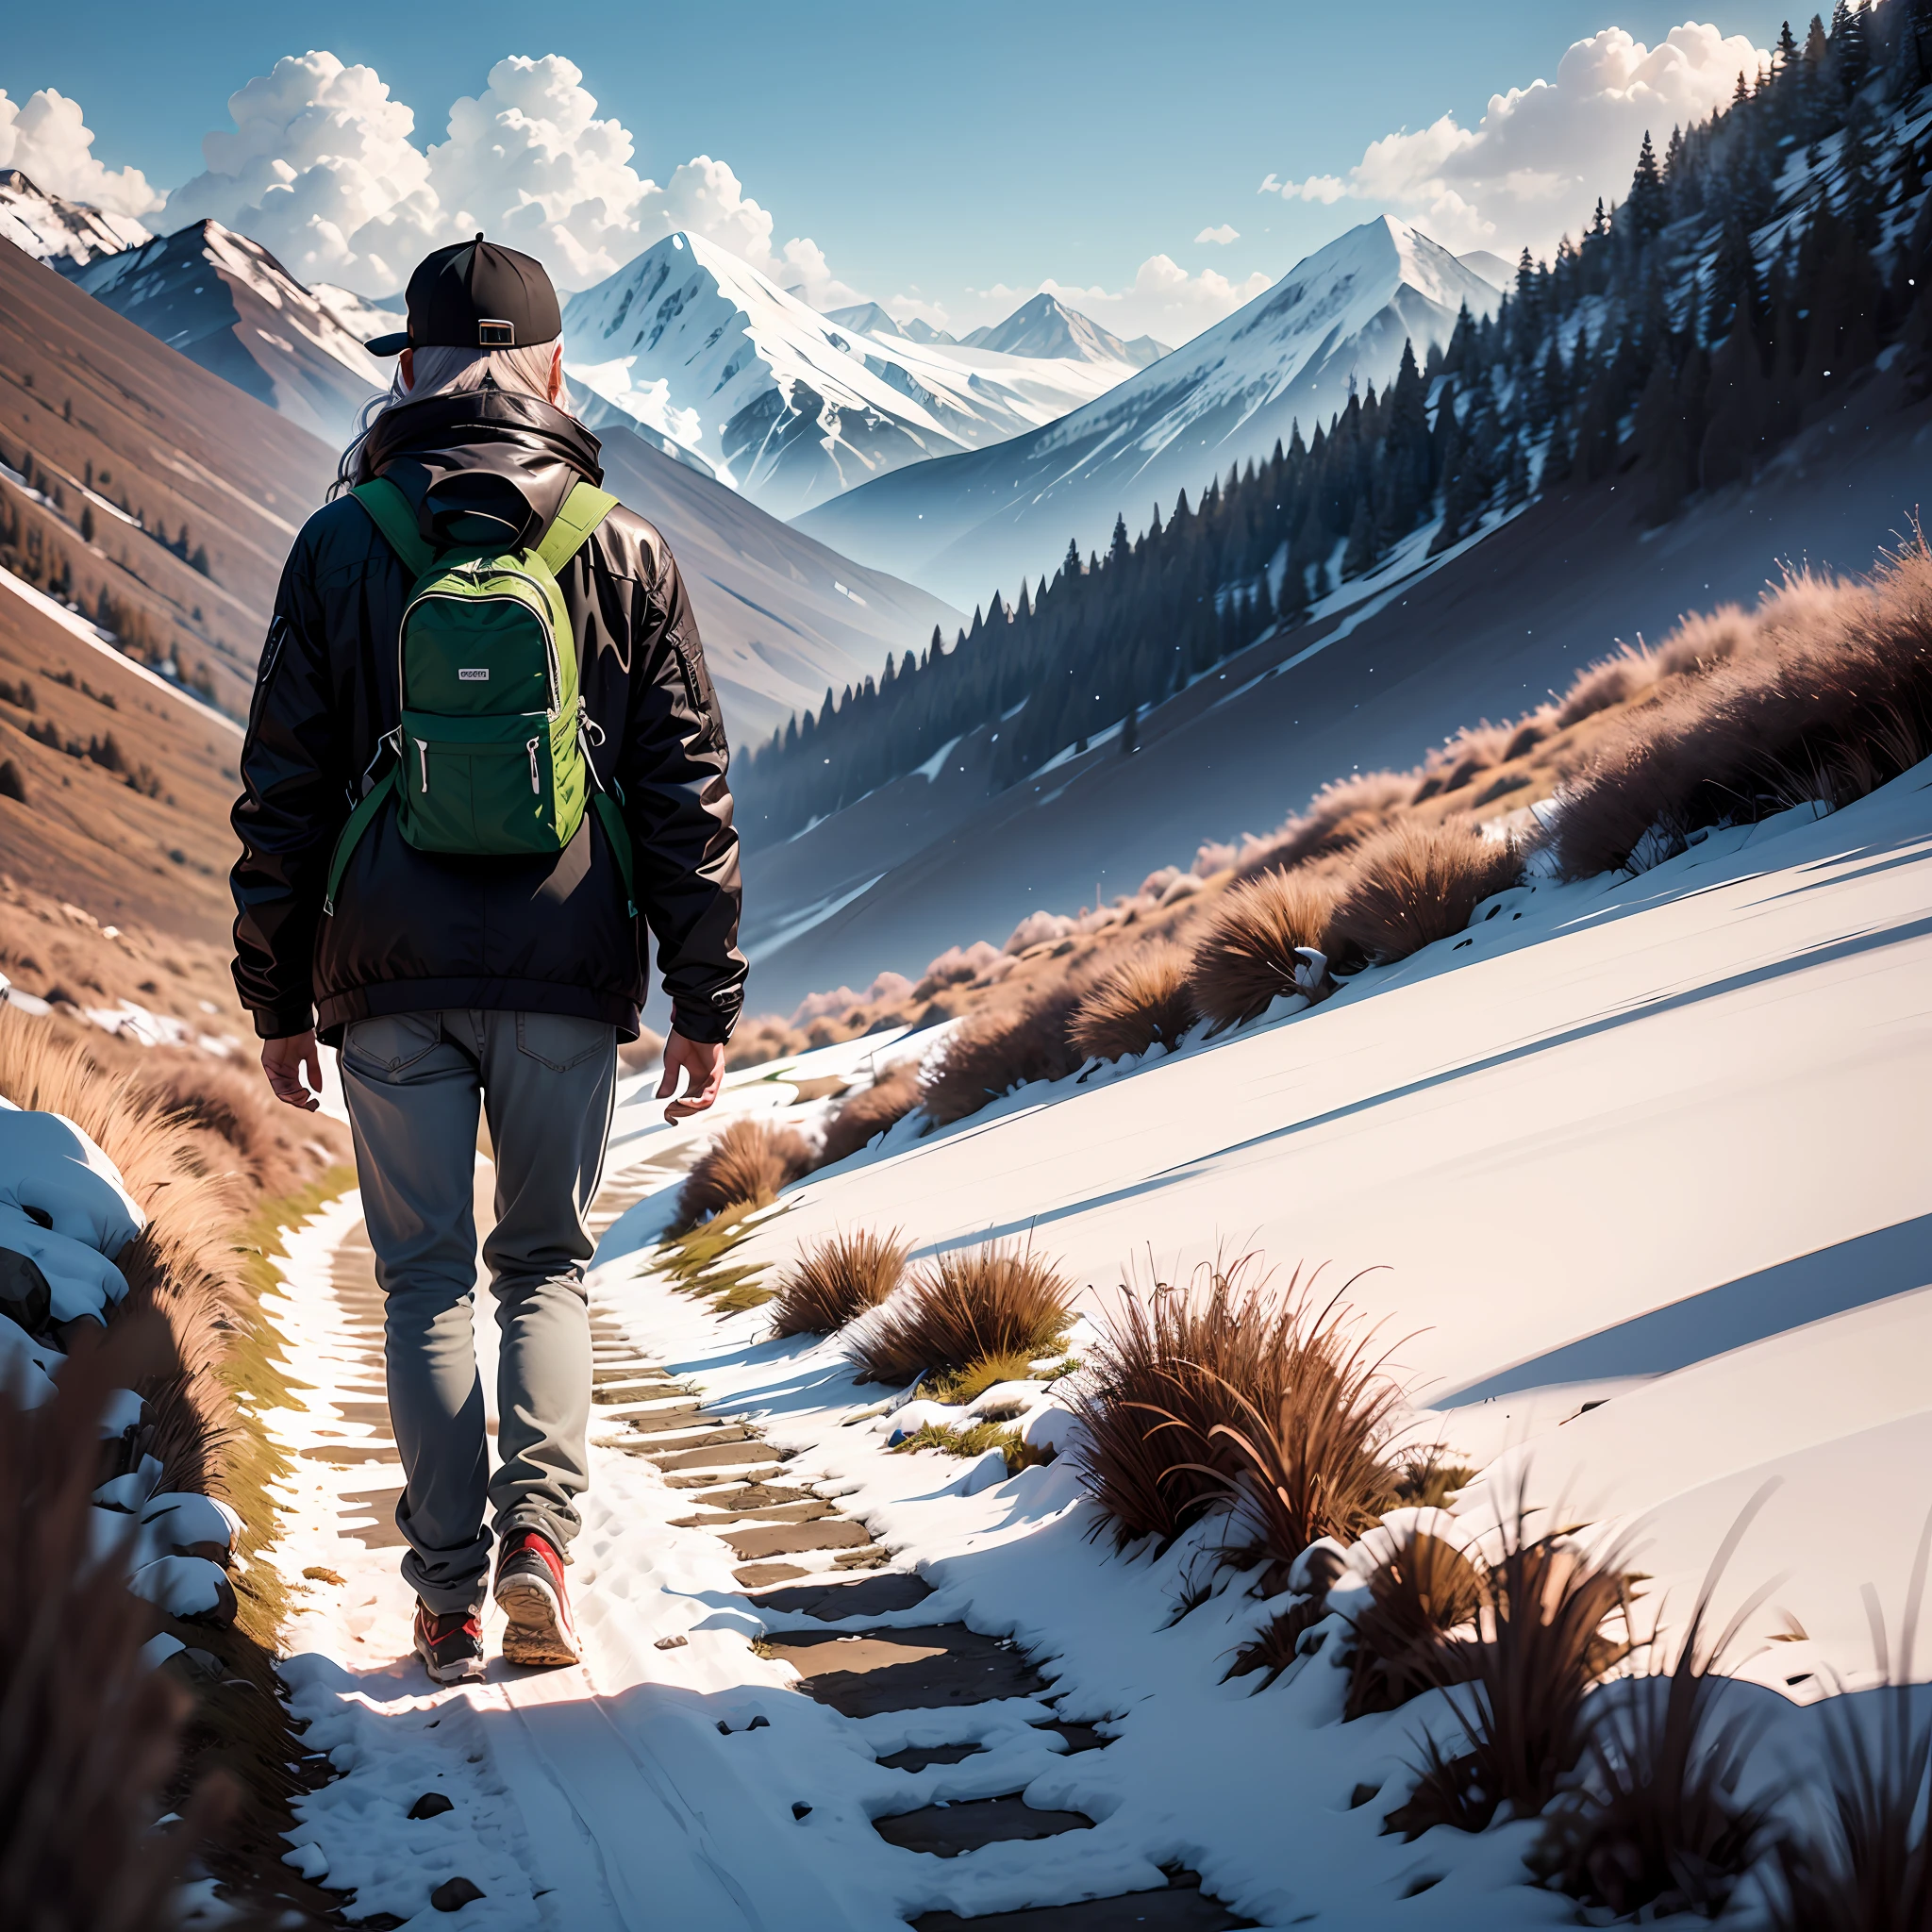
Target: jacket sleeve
point(292, 806)
point(678, 805)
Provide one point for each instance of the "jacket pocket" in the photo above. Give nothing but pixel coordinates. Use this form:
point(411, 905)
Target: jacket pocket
point(699, 694)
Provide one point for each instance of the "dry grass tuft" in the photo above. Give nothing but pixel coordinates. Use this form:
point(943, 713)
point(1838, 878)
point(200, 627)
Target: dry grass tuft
point(1539, 1647)
point(1144, 1003)
point(1339, 816)
point(1425, 1589)
point(1869, 1869)
point(840, 1277)
point(963, 1308)
point(1704, 640)
point(90, 1737)
point(1655, 1827)
point(762, 1039)
point(1245, 1396)
point(1832, 699)
point(994, 1051)
point(1415, 884)
point(1248, 956)
point(1615, 680)
point(868, 1113)
point(744, 1167)
point(982, 1373)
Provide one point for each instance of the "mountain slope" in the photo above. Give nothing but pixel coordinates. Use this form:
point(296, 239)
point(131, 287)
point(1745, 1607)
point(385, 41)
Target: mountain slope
point(53, 229)
point(931, 862)
point(785, 404)
point(972, 523)
point(154, 482)
point(1046, 327)
point(782, 617)
point(227, 302)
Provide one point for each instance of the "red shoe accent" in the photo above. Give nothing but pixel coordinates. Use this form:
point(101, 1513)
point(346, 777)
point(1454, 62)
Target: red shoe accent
point(450, 1645)
point(535, 1606)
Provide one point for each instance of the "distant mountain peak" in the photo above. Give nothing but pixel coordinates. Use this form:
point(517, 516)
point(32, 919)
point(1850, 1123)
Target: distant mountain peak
point(65, 234)
point(1044, 326)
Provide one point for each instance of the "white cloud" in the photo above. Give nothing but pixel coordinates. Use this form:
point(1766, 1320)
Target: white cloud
point(322, 168)
point(1535, 164)
point(49, 141)
point(1221, 236)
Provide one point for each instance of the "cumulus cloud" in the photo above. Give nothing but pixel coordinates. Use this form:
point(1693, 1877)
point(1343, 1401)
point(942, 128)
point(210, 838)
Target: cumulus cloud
point(323, 168)
point(48, 140)
point(1221, 236)
point(1533, 166)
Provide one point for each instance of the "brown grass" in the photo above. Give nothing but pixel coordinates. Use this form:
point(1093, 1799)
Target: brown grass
point(997, 1050)
point(743, 1166)
point(1415, 884)
point(1869, 1869)
point(857, 1121)
point(1247, 955)
point(762, 1038)
point(1539, 1646)
point(1614, 680)
point(90, 1737)
point(1832, 698)
point(1311, 1455)
point(963, 1308)
point(840, 1277)
point(1655, 1827)
point(1425, 1589)
point(1146, 1002)
point(1339, 815)
point(1172, 1364)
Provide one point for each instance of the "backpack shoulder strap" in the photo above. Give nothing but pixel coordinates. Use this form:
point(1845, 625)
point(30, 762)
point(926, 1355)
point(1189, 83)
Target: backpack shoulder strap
point(617, 834)
point(389, 510)
point(583, 509)
point(351, 836)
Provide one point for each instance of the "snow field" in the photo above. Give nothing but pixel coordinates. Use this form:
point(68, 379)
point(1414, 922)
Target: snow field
point(1663, 1132)
point(1649, 1144)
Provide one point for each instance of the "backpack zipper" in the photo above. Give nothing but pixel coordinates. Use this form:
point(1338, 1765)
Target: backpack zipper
point(531, 748)
point(422, 751)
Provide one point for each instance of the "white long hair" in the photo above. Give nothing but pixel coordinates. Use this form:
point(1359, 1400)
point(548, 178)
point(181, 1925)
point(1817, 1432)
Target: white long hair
point(441, 370)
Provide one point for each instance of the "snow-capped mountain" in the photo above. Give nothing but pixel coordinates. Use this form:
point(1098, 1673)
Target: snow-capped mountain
point(870, 319)
point(364, 319)
point(786, 404)
point(1492, 268)
point(64, 234)
point(966, 525)
point(227, 302)
point(1046, 327)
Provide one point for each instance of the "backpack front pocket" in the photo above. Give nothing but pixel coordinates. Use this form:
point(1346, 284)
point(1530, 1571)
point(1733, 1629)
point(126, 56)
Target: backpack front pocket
point(477, 785)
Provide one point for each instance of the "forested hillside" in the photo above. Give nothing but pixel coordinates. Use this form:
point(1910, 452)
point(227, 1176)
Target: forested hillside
point(1754, 273)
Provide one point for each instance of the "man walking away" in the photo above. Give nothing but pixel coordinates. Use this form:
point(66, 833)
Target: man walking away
point(483, 741)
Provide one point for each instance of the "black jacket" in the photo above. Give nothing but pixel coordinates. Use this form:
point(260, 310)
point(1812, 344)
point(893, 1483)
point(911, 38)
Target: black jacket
point(413, 930)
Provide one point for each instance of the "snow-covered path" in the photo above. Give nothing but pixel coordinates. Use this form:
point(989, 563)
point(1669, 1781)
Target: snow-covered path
point(1646, 1162)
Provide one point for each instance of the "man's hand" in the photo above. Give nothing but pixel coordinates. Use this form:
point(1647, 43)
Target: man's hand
point(284, 1061)
point(700, 1064)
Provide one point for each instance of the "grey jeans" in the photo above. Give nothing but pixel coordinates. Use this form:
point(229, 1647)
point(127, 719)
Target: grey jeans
point(414, 1083)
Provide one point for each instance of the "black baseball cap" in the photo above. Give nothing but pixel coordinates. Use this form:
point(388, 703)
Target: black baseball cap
point(476, 295)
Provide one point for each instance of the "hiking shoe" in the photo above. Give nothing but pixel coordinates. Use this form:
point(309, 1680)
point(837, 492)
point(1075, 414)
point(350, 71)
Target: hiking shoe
point(450, 1645)
point(530, 1593)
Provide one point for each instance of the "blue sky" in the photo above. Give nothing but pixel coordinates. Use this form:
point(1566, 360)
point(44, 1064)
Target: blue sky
point(933, 154)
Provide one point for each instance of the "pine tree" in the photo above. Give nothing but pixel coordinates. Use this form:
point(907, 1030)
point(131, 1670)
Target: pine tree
point(1646, 210)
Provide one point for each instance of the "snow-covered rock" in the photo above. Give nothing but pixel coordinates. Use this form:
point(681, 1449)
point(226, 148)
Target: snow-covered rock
point(53, 1172)
point(186, 1587)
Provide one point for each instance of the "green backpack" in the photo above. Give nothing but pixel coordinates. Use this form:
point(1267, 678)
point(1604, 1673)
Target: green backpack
point(488, 758)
